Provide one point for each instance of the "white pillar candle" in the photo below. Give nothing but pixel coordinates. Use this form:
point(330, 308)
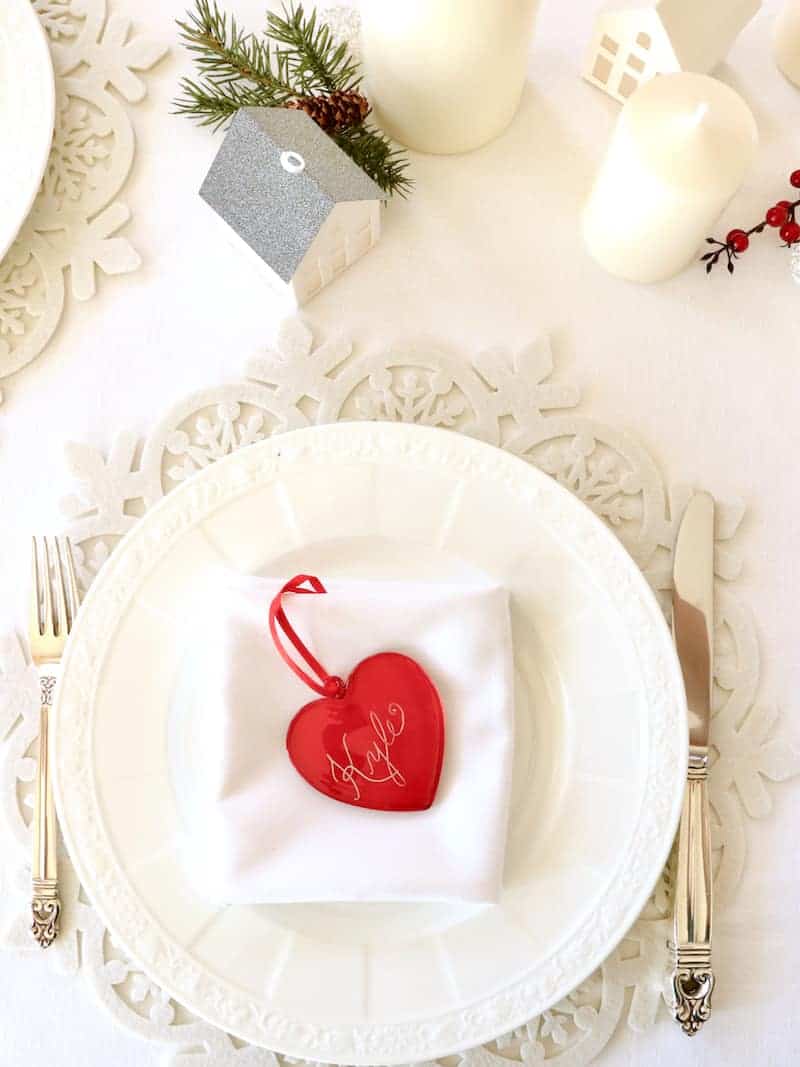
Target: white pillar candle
point(445, 75)
point(680, 150)
point(787, 41)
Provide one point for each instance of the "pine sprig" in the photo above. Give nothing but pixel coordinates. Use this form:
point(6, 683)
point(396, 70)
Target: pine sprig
point(215, 105)
point(224, 54)
point(377, 157)
point(295, 57)
point(314, 60)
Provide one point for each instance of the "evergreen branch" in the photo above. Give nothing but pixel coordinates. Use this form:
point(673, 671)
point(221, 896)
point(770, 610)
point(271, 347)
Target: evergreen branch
point(372, 150)
point(213, 104)
point(315, 61)
point(224, 53)
point(296, 57)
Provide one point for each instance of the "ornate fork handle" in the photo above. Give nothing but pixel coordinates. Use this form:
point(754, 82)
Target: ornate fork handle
point(46, 904)
point(693, 977)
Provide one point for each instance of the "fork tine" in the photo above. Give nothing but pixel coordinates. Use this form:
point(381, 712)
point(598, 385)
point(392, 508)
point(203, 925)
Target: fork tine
point(48, 596)
point(72, 584)
point(35, 619)
point(61, 621)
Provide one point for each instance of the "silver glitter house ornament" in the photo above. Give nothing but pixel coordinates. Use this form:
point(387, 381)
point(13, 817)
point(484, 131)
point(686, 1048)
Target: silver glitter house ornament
point(299, 205)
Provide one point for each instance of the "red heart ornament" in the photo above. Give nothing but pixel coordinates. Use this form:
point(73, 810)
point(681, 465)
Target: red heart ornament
point(378, 743)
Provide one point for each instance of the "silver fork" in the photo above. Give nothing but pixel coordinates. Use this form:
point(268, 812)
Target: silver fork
point(53, 608)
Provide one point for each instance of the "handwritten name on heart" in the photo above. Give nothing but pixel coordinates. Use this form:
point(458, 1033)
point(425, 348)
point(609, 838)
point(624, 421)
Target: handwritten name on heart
point(378, 763)
point(381, 744)
point(376, 741)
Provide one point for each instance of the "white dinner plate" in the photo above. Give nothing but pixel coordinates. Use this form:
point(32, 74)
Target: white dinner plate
point(27, 107)
point(600, 744)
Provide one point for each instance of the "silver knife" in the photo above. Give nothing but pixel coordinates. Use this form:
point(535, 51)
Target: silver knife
point(693, 632)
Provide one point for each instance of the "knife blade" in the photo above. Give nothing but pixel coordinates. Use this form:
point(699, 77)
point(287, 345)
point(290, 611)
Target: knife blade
point(693, 632)
point(693, 611)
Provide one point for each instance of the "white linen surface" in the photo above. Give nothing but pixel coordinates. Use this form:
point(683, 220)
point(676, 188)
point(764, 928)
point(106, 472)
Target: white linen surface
point(256, 831)
point(695, 370)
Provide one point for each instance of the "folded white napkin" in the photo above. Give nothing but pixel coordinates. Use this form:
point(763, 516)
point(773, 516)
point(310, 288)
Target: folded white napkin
point(255, 831)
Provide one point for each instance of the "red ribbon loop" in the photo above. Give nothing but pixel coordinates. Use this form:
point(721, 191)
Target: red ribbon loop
point(329, 685)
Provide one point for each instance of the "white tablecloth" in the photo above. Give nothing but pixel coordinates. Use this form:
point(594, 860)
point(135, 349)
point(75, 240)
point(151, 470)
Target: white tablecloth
point(704, 371)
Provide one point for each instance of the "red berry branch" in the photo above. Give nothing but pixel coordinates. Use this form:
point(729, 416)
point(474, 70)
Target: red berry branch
point(780, 216)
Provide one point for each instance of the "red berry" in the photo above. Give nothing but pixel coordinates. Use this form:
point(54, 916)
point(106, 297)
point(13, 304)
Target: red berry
point(790, 232)
point(777, 215)
point(738, 240)
point(794, 178)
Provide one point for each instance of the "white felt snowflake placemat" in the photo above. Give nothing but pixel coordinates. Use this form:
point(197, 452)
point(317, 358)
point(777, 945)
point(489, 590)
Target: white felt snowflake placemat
point(509, 401)
point(73, 227)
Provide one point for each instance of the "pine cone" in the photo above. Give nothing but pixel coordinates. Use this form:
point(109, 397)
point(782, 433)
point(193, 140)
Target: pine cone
point(334, 111)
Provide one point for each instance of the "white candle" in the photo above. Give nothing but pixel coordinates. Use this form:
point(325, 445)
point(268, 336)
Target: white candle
point(680, 150)
point(445, 75)
point(787, 41)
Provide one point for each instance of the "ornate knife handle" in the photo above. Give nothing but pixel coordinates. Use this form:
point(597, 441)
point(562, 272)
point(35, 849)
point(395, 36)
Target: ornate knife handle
point(45, 905)
point(693, 978)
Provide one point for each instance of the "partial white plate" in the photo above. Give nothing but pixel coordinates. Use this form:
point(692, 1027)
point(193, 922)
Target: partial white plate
point(600, 747)
point(27, 111)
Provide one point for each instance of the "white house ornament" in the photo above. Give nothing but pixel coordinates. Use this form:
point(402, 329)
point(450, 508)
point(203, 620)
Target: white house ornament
point(632, 43)
point(293, 200)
